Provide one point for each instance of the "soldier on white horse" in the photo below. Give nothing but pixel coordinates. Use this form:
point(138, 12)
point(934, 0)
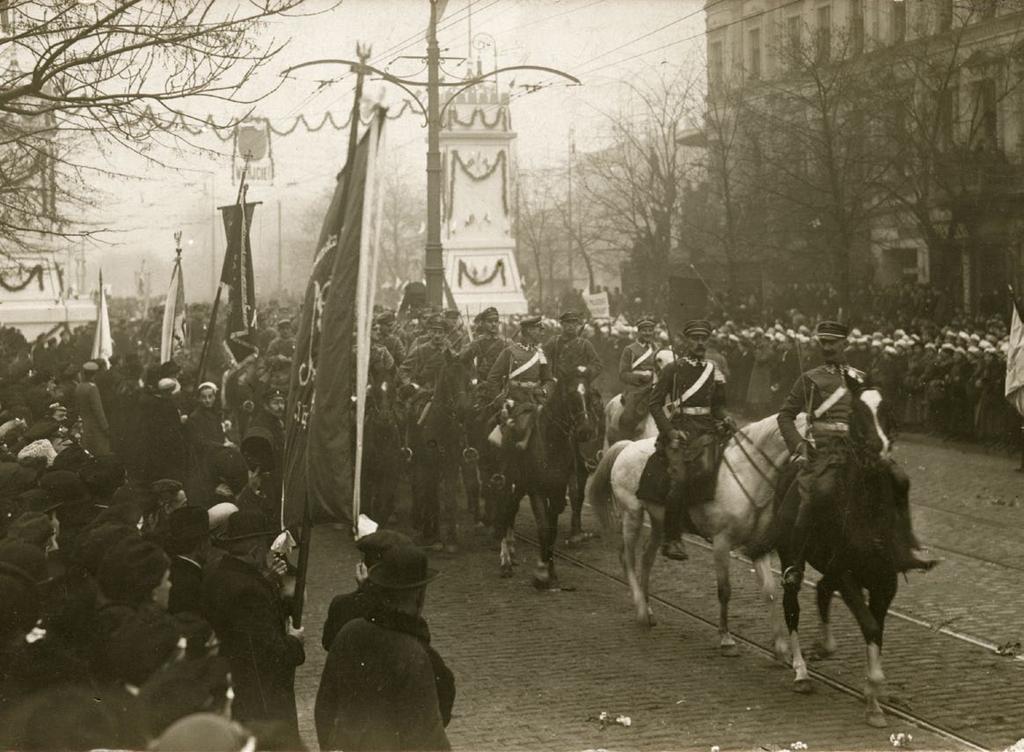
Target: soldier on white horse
point(636, 372)
point(687, 403)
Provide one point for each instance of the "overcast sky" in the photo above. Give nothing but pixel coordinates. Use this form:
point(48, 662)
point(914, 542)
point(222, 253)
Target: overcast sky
point(602, 42)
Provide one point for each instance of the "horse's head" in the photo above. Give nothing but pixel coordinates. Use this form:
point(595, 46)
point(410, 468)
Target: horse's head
point(452, 388)
point(662, 358)
point(871, 426)
point(576, 392)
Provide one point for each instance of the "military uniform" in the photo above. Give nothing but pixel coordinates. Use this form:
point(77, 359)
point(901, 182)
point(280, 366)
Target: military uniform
point(636, 372)
point(827, 394)
point(521, 375)
point(689, 397)
point(571, 355)
point(421, 367)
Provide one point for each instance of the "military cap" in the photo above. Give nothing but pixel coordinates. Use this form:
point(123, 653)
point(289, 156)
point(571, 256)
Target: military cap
point(528, 322)
point(452, 313)
point(570, 317)
point(488, 313)
point(645, 320)
point(272, 393)
point(387, 317)
point(435, 322)
point(697, 327)
point(831, 330)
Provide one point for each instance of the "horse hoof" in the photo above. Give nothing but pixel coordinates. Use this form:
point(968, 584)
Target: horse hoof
point(823, 650)
point(729, 651)
point(803, 686)
point(647, 621)
point(783, 656)
point(876, 719)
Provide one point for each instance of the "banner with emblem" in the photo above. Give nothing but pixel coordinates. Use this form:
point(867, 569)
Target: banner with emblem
point(237, 279)
point(253, 156)
point(320, 426)
point(597, 304)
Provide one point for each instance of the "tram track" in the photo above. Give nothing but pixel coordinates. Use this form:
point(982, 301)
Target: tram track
point(829, 681)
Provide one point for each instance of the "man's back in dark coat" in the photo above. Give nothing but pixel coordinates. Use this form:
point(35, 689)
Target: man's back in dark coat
point(186, 586)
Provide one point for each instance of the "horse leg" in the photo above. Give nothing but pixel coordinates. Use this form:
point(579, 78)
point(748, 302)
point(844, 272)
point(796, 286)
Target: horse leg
point(769, 594)
point(827, 642)
point(449, 484)
point(657, 514)
point(576, 493)
point(504, 528)
point(553, 506)
point(721, 546)
point(871, 618)
point(471, 485)
point(632, 524)
point(541, 576)
point(791, 608)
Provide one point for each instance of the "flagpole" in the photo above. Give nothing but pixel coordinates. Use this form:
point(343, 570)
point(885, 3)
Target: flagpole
point(306, 534)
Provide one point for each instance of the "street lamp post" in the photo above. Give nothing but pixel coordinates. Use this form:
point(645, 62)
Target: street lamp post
point(433, 113)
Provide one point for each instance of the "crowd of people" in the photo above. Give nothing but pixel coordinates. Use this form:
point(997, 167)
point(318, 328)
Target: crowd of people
point(146, 588)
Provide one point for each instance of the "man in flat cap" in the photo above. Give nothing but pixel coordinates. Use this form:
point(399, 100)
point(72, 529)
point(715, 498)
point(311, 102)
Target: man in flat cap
point(687, 403)
point(568, 351)
point(636, 372)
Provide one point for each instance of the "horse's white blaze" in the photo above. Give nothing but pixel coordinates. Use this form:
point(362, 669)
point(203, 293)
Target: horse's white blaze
point(873, 399)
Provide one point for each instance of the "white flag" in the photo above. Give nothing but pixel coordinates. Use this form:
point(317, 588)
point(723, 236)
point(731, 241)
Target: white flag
point(1015, 363)
point(174, 335)
point(102, 343)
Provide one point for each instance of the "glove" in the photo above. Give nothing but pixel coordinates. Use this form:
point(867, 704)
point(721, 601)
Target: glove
point(407, 390)
point(729, 424)
point(800, 456)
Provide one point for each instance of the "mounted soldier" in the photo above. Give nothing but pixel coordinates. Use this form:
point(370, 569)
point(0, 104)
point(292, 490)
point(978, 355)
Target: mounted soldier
point(569, 352)
point(636, 372)
point(480, 354)
point(455, 330)
point(419, 369)
point(386, 326)
point(827, 394)
point(687, 403)
point(520, 380)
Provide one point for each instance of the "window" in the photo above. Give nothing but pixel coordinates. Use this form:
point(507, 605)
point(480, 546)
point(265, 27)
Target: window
point(857, 26)
point(824, 33)
point(985, 118)
point(899, 21)
point(794, 41)
point(716, 64)
point(944, 17)
point(754, 47)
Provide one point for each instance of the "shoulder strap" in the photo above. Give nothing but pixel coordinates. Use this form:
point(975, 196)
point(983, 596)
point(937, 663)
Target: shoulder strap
point(644, 356)
point(535, 358)
point(696, 386)
point(830, 401)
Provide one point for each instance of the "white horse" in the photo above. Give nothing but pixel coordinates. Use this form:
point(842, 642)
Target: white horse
point(614, 407)
point(740, 515)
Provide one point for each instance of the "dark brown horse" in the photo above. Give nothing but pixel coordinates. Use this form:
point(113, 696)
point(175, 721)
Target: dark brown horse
point(436, 433)
point(542, 471)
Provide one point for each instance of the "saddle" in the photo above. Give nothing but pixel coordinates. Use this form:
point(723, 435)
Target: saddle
point(701, 457)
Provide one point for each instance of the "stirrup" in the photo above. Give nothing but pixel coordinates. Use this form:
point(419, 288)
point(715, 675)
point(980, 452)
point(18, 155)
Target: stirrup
point(793, 576)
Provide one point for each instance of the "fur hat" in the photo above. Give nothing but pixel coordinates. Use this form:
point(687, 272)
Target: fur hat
point(40, 450)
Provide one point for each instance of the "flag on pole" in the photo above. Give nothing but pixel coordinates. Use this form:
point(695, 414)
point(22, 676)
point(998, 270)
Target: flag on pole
point(1015, 362)
point(174, 336)
point(320, 423)
point(237, 278)
point(102, 343)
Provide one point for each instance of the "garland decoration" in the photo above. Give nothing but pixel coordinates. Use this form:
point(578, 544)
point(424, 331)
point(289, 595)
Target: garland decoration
point(499, 268)
point(500, 118)
point(36, 273)
point(457, 160)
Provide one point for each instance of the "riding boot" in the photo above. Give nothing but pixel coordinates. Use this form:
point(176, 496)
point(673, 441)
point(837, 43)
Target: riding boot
point(673, 547)
point(794, 573)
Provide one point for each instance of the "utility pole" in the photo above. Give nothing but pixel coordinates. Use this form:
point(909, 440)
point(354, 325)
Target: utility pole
point(433, 266)
point(433, 113)
point(569, 226)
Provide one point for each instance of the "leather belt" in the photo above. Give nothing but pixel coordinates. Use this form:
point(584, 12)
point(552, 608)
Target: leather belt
point(695, 410)
point(828, 427)
point(526, 384)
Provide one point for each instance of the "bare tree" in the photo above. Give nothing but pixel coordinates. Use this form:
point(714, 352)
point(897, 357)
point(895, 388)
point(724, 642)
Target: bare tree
point(115, 71)
point(633, 186)
point(401, 239)
point(536, 224)
point(951, 167)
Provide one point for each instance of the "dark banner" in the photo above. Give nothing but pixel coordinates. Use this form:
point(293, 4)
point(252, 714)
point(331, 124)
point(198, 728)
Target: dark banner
point(238, 282)
point(320, 427)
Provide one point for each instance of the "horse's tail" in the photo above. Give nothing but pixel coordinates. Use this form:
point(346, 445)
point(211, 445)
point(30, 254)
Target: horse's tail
point(599, 484)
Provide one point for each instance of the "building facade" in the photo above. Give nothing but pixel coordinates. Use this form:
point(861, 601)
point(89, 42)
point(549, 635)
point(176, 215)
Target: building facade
point(948, 149)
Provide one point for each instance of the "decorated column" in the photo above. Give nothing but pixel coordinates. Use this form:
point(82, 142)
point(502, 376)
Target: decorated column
point(479, 248)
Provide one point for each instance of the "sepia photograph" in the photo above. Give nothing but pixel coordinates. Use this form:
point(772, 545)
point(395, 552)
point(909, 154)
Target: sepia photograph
point(512, 375)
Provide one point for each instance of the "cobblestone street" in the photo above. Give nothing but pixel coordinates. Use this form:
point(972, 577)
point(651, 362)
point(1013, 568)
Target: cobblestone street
point(534, 670)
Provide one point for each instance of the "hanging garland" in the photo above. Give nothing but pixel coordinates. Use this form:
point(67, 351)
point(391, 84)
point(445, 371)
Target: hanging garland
point(180, 121)
point(36, 273)
point(457, 160)
point(499, 118)
point(499, 268)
